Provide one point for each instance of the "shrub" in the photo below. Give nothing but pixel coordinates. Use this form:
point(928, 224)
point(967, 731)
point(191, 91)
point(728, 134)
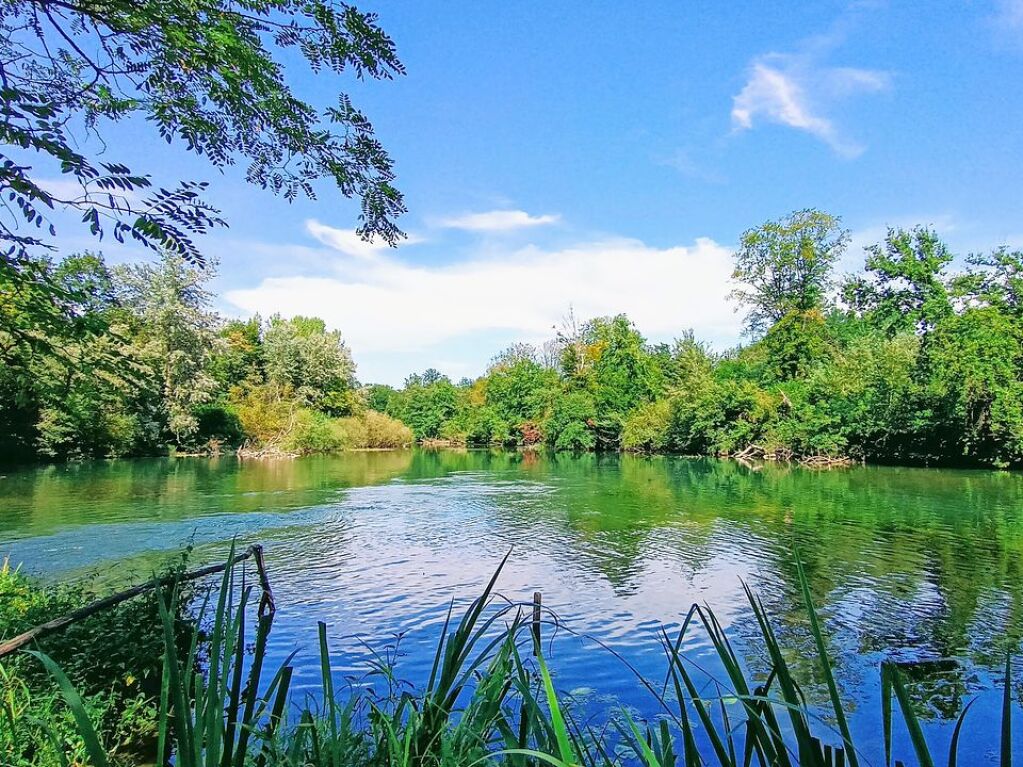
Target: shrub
point(372, 430)
point(314, 432)
point(265, 412)
point(568, 426)
point(575, 436)
point(646, 428)
point(217, 425)
point(114, 658)
point(382, 431)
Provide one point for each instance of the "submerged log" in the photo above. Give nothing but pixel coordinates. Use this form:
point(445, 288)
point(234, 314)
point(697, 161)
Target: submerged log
point(824, 461)
point(266, 603)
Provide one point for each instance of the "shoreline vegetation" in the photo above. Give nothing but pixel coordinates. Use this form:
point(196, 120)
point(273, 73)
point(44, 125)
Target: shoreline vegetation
point(916, 359)
point(195, 687)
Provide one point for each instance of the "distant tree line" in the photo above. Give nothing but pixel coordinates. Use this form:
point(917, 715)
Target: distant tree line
point(909, 360)
point(131, 360)
point(906, 361)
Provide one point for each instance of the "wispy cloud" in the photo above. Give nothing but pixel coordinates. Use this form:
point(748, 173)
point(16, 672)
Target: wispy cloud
point(349, 242)
point(682, 160)
point(795, 89)
point(497, 221)
point(1007, 22)
point(386, 305)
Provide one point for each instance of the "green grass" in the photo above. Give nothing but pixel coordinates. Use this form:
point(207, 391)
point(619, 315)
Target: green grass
point(488, 700)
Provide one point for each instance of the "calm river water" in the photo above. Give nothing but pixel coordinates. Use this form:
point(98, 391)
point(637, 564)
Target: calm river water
point(921, 566)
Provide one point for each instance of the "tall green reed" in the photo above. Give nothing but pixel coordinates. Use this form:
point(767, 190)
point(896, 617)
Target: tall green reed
point(487, 699)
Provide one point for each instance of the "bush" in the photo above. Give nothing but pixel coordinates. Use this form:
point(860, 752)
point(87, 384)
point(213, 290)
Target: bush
point(568, 426)
point(722, 418)
point(382, 431)
point(477, 425)
point(575, 436)
point(217, 425)
point(264, 411)
point(314, 432)
point(113, 657)
point(372, 430)
point(82, 429)
point(646, 428)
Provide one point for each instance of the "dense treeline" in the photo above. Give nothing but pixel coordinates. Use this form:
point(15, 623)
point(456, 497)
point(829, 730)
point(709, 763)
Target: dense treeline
point(131, 360)
point(906, 361)
point(913, 359)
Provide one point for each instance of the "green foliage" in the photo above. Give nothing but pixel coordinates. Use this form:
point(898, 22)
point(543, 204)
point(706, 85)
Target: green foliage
point(915, 366)
point(173, 333)
point(975, 359)
point(795, 344)
point(310, 431)
point(82, 375)
point(569, 426)
point(476, 425)
point(904, 287)
point(382, 432)
point(785, 266)
point(208, 76)
point(378, 397)
point(520, 390)
point(112, 657)
point(238, 355)
point(425, 403)
point(151, 367)
point(620, 372)
point(647, 427)
point(301, 354)
point(722, 418)
point(315, 432)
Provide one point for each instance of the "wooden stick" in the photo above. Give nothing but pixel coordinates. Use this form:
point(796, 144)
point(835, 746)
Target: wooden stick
point(256, 551)
point(537, 605)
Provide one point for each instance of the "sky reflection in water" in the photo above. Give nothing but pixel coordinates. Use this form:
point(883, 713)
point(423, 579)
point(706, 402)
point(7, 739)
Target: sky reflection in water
point(918, 565)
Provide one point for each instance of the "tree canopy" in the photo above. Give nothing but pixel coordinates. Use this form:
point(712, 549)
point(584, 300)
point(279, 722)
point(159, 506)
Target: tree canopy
point(786, 266)
point(911, 361)
point(208, 77)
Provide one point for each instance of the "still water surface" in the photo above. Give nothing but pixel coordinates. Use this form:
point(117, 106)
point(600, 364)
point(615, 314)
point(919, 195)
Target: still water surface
point(921, 566)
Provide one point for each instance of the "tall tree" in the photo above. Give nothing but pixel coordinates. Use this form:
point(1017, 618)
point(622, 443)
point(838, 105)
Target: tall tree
point(785, 266)
point(173, 331)
point(904, 287)
point(303, 355)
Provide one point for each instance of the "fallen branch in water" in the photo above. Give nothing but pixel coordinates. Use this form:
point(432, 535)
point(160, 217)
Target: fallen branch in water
point(266, 603)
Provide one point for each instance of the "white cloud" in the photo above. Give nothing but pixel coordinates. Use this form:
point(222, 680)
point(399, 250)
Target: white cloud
point(497, 221)
point(349, 242)
point(793, 90)
point(384, 305)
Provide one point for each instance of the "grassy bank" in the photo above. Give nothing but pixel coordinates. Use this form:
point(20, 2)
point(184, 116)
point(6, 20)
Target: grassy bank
point(112, 657)
point(490, 696)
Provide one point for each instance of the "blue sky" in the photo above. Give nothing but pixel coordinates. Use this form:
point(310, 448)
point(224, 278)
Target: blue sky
point(608, 155)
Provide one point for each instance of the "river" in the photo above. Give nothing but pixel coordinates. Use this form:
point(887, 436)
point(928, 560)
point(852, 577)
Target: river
point(918, 565)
